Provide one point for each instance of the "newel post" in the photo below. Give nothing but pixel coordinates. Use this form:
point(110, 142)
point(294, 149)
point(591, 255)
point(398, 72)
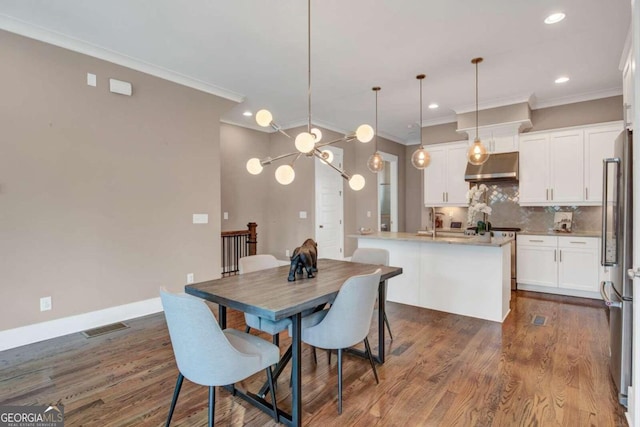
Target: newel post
point(252, 241)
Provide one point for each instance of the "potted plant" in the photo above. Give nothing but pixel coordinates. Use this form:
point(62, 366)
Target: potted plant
point(477, 204)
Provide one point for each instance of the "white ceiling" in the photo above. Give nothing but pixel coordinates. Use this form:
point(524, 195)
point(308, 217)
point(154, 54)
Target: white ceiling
point(256, 51)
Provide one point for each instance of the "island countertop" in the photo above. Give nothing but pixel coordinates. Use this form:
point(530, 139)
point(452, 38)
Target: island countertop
point(414, 237)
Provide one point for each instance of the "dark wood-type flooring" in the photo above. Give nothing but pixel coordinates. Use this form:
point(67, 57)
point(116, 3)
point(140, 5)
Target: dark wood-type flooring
point(441, 370)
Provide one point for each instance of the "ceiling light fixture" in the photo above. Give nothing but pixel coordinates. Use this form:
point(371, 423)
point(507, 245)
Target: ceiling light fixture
point(308, 143)
point(247, 114)
point(375, 162)
point(420, 158)
point(554, 18)
point(477, 153)
point(562, 79)
point(433, 106)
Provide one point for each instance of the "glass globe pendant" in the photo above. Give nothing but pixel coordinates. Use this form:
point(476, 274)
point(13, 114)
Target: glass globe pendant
point(477, 153)
point(356, 182)
point(285, 174)
point(264, 118)
point(375, 163)
point(420, 158)
point(254, 167)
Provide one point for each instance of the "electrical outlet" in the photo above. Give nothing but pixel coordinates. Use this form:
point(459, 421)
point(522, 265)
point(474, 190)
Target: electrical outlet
point(45, 303)
point(286, 253)
point(190, 278)
point(368, 214)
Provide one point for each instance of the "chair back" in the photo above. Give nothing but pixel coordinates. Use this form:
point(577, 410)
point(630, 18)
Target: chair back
point(203, 352)
point(252, 263)
point(349, 318)
point(371, 256)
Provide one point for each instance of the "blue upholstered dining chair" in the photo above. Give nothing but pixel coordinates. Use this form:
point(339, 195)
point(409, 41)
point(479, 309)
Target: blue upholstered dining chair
point(250, 264)
point(377, 257)
point(346, 322)
point(209, 356)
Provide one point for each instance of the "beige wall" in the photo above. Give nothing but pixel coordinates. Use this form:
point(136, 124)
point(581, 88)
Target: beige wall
point(280, 227)
point(244, 196)
point(579, 113)
point(97, 189)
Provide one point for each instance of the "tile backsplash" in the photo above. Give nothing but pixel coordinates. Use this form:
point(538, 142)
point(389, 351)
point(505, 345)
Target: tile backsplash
point(506, 212)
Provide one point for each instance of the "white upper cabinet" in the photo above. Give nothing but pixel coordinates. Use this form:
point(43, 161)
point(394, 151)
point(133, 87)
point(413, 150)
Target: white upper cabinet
point(598, 145)
point(628, 74)
point(498, 138)
point(444, 183)
point(564, 167)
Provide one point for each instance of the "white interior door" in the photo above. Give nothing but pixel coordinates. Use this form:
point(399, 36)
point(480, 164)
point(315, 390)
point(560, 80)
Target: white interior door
point(388, 192)
point(329, 208)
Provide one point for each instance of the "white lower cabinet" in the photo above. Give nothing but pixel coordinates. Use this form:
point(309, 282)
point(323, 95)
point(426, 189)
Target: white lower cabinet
point(559, 264)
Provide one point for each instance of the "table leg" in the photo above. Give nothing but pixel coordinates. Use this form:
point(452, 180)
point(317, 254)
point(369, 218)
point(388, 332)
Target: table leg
point(382, 296)
point(296, 389)
point(222, 316)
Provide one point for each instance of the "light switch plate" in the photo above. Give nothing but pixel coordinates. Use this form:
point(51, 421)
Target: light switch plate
point(303, 214)
point(118, 86)
point(200, 218)
point(226, 215)
point(190, 278)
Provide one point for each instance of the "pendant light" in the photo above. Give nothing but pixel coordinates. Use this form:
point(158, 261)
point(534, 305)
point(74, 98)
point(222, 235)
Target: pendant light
point(420, 158)
point(308, 143)
point(477, 153)
point(375, 162)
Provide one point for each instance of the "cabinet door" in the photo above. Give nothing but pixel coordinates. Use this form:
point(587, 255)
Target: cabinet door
point(537, 265)
point(578, 269)
point(627, 91)
point(567, 166)
point(598, 145)
point(456, 191)
point(534, 169)
point(435, 178)
point(504, 143)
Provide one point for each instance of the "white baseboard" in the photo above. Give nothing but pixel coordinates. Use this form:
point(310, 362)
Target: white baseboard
point(24, 335)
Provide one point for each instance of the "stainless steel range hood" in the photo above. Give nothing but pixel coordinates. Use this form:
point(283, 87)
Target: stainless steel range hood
point(499, 167)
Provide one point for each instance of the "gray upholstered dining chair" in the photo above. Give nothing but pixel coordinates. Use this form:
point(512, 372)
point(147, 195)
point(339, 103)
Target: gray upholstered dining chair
point(250, 264)
point(209, 356)
point(346, 322)
point(377, 257)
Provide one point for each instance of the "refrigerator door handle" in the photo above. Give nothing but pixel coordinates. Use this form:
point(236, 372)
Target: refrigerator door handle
point(605, 295)
point(605, 195)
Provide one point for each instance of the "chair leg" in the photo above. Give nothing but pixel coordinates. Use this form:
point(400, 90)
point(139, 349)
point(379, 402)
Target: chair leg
point(272, 389)
point(339, 381)
point(315, 356)
point(247, 329)
point(386, 322)
point(176, 392)
point(373, 365)
point(212, 404)
point(329, 357)
point(276, 340)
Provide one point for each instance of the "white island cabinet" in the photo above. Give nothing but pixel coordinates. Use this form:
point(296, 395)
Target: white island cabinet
point(457, 275)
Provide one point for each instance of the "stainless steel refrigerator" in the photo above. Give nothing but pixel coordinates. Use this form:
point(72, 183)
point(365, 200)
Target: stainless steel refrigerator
point(617, 247)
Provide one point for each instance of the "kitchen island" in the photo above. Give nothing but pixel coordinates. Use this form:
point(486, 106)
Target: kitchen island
point(459, 275)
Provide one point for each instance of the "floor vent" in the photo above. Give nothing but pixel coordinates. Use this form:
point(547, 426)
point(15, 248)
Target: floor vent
point(104, 330)
point(539, 320)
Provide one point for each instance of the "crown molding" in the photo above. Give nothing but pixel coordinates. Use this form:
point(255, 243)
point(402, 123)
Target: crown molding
point(255, 127)
point(31, 31)
point(587, 96)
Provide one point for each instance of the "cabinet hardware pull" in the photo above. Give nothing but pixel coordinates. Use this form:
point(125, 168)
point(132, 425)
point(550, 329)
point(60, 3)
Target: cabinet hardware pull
point(534, 240)
point(586, 193)
point(579, 243)
point(560, 255)
point(554, 256)
point(447, 193)
point(547, 194)
point(552, 194)
point(443, 196)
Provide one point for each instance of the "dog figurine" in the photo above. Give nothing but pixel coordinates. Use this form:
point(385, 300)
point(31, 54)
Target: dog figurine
point(305, 256)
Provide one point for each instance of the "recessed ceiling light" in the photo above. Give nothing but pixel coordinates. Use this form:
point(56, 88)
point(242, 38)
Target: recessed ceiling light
point(562, 79)
point(410, 125)
point(247, 114)
point(554, 18)
point(433, 105)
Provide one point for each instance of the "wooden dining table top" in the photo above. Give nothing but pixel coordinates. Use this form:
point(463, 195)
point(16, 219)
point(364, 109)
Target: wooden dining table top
point(268, 294)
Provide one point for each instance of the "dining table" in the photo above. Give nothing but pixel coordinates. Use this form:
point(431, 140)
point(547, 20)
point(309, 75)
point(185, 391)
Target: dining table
point(268, 294)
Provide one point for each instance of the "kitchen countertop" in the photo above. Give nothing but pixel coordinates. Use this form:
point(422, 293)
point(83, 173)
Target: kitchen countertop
point(557, 233)
point(414, 237)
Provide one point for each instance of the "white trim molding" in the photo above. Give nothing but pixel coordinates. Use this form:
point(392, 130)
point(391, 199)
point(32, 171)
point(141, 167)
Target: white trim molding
point(31, 31)
point(24, 335)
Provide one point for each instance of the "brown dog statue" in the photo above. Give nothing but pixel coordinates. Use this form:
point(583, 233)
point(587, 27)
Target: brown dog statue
point(305, 256)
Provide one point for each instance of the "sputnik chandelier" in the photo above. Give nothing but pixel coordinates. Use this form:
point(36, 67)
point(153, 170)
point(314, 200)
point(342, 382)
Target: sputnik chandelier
point(308, 143)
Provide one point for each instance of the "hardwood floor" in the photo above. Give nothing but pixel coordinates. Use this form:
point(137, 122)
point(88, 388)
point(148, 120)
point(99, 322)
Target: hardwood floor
point(441, 370)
